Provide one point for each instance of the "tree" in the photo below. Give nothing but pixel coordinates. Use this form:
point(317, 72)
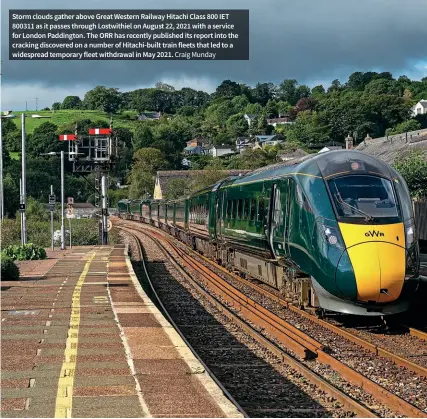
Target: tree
point(239, 103)
point(44, 140)
point(236, 126)
point(146, 162)
point(413, 168)
point(271, 108)
point(177, 188)
point(287, 91)
point(263, 92)
point(143, 137)
point(309, 128)
point(405, 126)
point(71, 102)
point(227, 89)
point(318, 91)
point(163, 86)
point(56, 106)
point(102, 98)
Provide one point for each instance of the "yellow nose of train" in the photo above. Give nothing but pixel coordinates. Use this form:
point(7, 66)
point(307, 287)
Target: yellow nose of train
point(378, 256)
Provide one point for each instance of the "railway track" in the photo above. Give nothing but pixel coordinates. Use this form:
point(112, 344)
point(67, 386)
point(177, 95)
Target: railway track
point(262, 388)
point(283, 332)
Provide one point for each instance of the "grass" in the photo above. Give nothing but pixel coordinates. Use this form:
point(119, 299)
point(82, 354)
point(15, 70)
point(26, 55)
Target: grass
point(65, 117)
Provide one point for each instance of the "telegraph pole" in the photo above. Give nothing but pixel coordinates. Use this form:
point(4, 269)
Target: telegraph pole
point(62, 202)
point(24, 185)
point(37, 102)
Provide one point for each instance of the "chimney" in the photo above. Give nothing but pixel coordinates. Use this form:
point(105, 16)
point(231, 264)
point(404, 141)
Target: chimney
point(349, 142)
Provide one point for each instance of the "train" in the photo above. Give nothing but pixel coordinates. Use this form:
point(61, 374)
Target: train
point(333, 232)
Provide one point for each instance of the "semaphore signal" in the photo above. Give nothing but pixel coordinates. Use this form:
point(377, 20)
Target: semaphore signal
point(99, 131)
point(67, 137)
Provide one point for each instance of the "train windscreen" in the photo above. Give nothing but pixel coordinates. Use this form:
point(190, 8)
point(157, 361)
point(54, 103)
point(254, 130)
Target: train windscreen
point(362, 196)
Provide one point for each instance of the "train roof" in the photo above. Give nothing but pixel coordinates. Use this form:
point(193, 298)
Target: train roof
point(323, 165)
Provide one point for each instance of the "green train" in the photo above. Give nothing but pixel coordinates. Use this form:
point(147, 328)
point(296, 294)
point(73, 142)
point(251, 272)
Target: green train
point(332, 231)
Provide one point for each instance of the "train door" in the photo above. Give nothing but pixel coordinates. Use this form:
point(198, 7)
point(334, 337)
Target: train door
point(290, 188)
point(279, 217)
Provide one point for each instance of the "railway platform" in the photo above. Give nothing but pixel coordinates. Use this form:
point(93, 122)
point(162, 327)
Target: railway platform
point(80, 338)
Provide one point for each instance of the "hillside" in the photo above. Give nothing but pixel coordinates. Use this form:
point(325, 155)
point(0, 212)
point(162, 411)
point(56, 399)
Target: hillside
point(68, 116)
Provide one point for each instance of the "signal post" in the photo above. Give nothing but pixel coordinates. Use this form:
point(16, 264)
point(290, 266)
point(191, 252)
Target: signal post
point(95, 153)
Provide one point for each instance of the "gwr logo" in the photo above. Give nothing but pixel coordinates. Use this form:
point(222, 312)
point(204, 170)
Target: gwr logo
point(374, 233)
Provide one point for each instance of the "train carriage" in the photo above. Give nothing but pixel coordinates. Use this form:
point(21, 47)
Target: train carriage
point(334, 231)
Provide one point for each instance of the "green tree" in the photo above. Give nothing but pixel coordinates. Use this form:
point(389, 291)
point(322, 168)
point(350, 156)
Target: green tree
point(177, 188)
point(44, 140)
point(102, 98)
point(236, 126)
point(413, 168)
point(146, 162)
point(71, 102)
point(56, 106)
point(143, 137)
point(405, 126)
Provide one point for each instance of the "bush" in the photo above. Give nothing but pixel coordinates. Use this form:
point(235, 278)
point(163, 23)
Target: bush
point(28, 251)
point(9, 271)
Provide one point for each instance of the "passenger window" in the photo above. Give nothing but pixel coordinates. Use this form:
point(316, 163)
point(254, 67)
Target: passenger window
point(245, 209)
point(252, 215)
point(302, 200)
point(261, 210)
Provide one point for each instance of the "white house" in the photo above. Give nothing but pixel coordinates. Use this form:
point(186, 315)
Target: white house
point(420, 108)
point(221, 150)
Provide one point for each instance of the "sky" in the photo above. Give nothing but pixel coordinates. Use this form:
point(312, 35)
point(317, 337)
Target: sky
point(312, 41)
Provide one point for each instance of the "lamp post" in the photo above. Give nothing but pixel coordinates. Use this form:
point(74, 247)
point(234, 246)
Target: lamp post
point(24, 178)
point(1, 166)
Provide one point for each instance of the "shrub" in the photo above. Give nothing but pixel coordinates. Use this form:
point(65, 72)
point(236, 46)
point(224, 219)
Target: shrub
point(28, 251)
point(9, 271)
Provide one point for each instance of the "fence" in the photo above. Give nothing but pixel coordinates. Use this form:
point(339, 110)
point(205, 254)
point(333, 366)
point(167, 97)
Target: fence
point(420, 209)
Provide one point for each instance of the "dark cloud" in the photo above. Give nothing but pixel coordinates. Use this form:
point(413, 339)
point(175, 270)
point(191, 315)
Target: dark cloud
point(303, 39)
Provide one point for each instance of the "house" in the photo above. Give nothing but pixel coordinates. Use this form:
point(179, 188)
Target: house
point(165, 176)
point(81, 209)
point(420, 108)
point(198, 150)
point(221, 150)
point(198, 142)
point(149, 116)
point(292, 155)
point(281, 120)
point(262, 141)
point(250, 117)
point(242, 143)
point(392, 147)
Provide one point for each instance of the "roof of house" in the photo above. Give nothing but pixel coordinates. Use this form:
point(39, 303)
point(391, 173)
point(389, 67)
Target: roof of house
point(149, 115)
point(395, 146)
point(193, 147)
point(164, 176)
point(263, 138)
point(293, 155)
point(423, 103)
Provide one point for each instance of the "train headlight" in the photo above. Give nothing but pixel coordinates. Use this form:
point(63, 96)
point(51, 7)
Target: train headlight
point(409, 233)
point(332, 239)
point(331, 234)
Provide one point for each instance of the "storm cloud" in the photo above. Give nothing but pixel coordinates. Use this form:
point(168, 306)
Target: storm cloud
point(313, 41)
